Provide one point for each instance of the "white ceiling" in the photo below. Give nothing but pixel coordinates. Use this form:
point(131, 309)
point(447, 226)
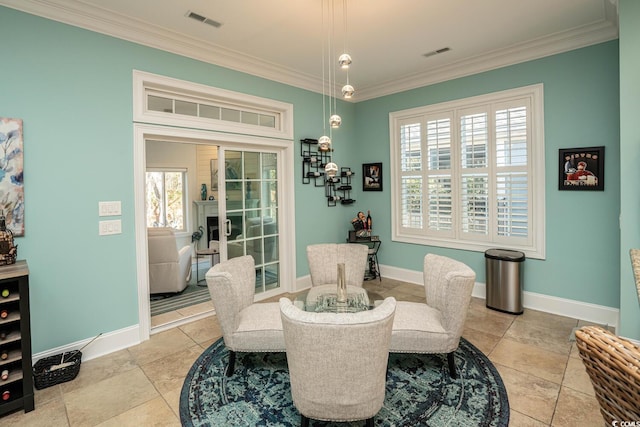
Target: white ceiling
point(281, 39)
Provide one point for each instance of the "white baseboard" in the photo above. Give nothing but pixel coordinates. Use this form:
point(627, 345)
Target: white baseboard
point(107, 343)
point(594, 313)
point(302, 283)
point(130, 336)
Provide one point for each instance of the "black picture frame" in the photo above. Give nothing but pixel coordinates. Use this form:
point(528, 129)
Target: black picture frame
point(372, 177)
point(581, 169)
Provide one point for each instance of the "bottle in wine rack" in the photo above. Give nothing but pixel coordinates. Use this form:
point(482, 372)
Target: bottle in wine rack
point(347, 201)
point(4, 375)
point(5, 293)
point(3, 335)
point(4, 314)
point(344, 187)
point(6, 395)
point(313, 174)
point(346, 173)
point(334, 198)
point(4, 355)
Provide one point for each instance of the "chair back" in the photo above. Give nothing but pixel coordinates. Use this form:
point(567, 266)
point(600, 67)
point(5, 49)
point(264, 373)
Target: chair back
point(613, 365)
point(337, 361)
point(323, 259)
point(232, 285)
point(448, 285)
point(166, 274)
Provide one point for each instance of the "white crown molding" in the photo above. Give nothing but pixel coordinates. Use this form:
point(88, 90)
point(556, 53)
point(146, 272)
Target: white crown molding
point(83, 15)
point(89, 17)
point(546, 46)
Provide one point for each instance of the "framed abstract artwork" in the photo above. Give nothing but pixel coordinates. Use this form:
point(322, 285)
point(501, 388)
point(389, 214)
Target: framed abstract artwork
point(11, 174)
point(581, 169)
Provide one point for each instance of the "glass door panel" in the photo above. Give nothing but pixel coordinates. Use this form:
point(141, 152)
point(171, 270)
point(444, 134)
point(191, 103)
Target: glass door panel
point(251, 184)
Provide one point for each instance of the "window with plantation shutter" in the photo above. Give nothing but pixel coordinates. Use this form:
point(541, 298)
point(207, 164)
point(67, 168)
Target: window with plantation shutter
point(469, 174)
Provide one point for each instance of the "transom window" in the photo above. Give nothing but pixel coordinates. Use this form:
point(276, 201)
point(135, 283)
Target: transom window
point(167, 103)
point(469, 174)
point(165, 198)
point(170, 102)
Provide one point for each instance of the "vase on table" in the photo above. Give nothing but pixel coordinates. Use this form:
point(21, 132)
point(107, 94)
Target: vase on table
point(342, 284)
point(203, 192)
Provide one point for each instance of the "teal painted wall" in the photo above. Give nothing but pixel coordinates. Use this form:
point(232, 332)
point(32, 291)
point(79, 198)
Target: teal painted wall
point(581, 110)
point(630, 158)
point(73, 89)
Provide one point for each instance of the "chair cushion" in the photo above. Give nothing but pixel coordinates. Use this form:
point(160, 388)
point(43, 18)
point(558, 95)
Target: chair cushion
point(259, 328)
point(417, 317)
point(417, 328)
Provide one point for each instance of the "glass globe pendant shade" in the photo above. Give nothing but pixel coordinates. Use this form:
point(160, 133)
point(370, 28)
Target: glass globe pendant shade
point(324, 143)
point(347, 91)
point(331, 169)
point(335, 121)
point(344, 61)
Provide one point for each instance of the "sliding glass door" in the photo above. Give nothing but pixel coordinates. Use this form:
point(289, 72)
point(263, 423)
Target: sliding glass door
point(251, 214)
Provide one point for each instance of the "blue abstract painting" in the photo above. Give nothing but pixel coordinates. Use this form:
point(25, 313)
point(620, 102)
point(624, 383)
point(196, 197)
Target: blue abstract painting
point(12, 174)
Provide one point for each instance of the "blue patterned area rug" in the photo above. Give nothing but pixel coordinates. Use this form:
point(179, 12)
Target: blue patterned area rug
point(420, 391)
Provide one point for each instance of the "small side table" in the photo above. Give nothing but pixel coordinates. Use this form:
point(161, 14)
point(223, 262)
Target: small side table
point(373, 242)
point(215, 258)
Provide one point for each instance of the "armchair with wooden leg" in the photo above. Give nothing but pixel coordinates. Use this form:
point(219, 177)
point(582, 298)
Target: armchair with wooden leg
point(246, 326)
point(435, 327)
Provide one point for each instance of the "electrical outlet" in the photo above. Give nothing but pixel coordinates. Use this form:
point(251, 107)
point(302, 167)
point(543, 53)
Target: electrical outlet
point(110, 227)
point(109, 208)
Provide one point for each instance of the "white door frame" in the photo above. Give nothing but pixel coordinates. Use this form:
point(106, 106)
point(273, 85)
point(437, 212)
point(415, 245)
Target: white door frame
point(144, 132)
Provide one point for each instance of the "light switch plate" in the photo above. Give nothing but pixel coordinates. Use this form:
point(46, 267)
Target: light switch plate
point(110, 227)
point(109, 208)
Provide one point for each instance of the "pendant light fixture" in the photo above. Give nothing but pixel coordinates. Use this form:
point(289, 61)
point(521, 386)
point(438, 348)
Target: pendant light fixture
point(344, 61)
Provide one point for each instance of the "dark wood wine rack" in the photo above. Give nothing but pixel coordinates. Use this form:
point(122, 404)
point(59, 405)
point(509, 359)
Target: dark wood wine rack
point(15, 339)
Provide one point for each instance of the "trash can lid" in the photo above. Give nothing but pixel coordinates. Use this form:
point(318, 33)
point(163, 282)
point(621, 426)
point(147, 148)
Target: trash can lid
point(504, 255)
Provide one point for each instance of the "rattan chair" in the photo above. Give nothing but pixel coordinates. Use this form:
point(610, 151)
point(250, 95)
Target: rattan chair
point(613, 365)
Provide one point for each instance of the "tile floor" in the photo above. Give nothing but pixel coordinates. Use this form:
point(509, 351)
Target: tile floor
point(140, 386)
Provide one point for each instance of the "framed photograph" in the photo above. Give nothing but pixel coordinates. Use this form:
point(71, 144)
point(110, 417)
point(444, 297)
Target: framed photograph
point(372, 177)
point(581, 169)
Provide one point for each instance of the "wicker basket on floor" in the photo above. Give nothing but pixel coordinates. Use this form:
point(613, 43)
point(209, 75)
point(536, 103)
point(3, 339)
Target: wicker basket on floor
point(56, 369)
point(613, 365)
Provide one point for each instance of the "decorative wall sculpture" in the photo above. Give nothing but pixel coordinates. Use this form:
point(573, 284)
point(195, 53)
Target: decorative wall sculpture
point(337, 188)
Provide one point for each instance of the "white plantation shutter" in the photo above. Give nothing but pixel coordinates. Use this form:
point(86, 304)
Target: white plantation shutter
point(463, 173)
point(439, 174)
point(411, 181)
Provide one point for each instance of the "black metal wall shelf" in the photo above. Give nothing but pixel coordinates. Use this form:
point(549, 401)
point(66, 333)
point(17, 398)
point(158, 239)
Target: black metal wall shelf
point(337, 188)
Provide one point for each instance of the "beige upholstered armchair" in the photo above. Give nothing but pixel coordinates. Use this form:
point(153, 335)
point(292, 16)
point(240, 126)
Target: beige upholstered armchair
point(435, 327)
point(337, 361)
point(246, 326)
point(323, 259)
point(169, 268)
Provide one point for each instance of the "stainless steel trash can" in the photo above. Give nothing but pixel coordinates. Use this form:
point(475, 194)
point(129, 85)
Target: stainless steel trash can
point(504, 280)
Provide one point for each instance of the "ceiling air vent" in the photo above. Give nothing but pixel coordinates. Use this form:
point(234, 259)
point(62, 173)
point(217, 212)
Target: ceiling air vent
point(437, 51)
point(203, 19)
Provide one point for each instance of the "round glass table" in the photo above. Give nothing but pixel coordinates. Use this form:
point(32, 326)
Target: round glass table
point(324, 299)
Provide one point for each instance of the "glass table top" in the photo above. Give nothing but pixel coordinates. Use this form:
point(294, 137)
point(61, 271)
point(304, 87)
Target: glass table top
point(324, 299)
